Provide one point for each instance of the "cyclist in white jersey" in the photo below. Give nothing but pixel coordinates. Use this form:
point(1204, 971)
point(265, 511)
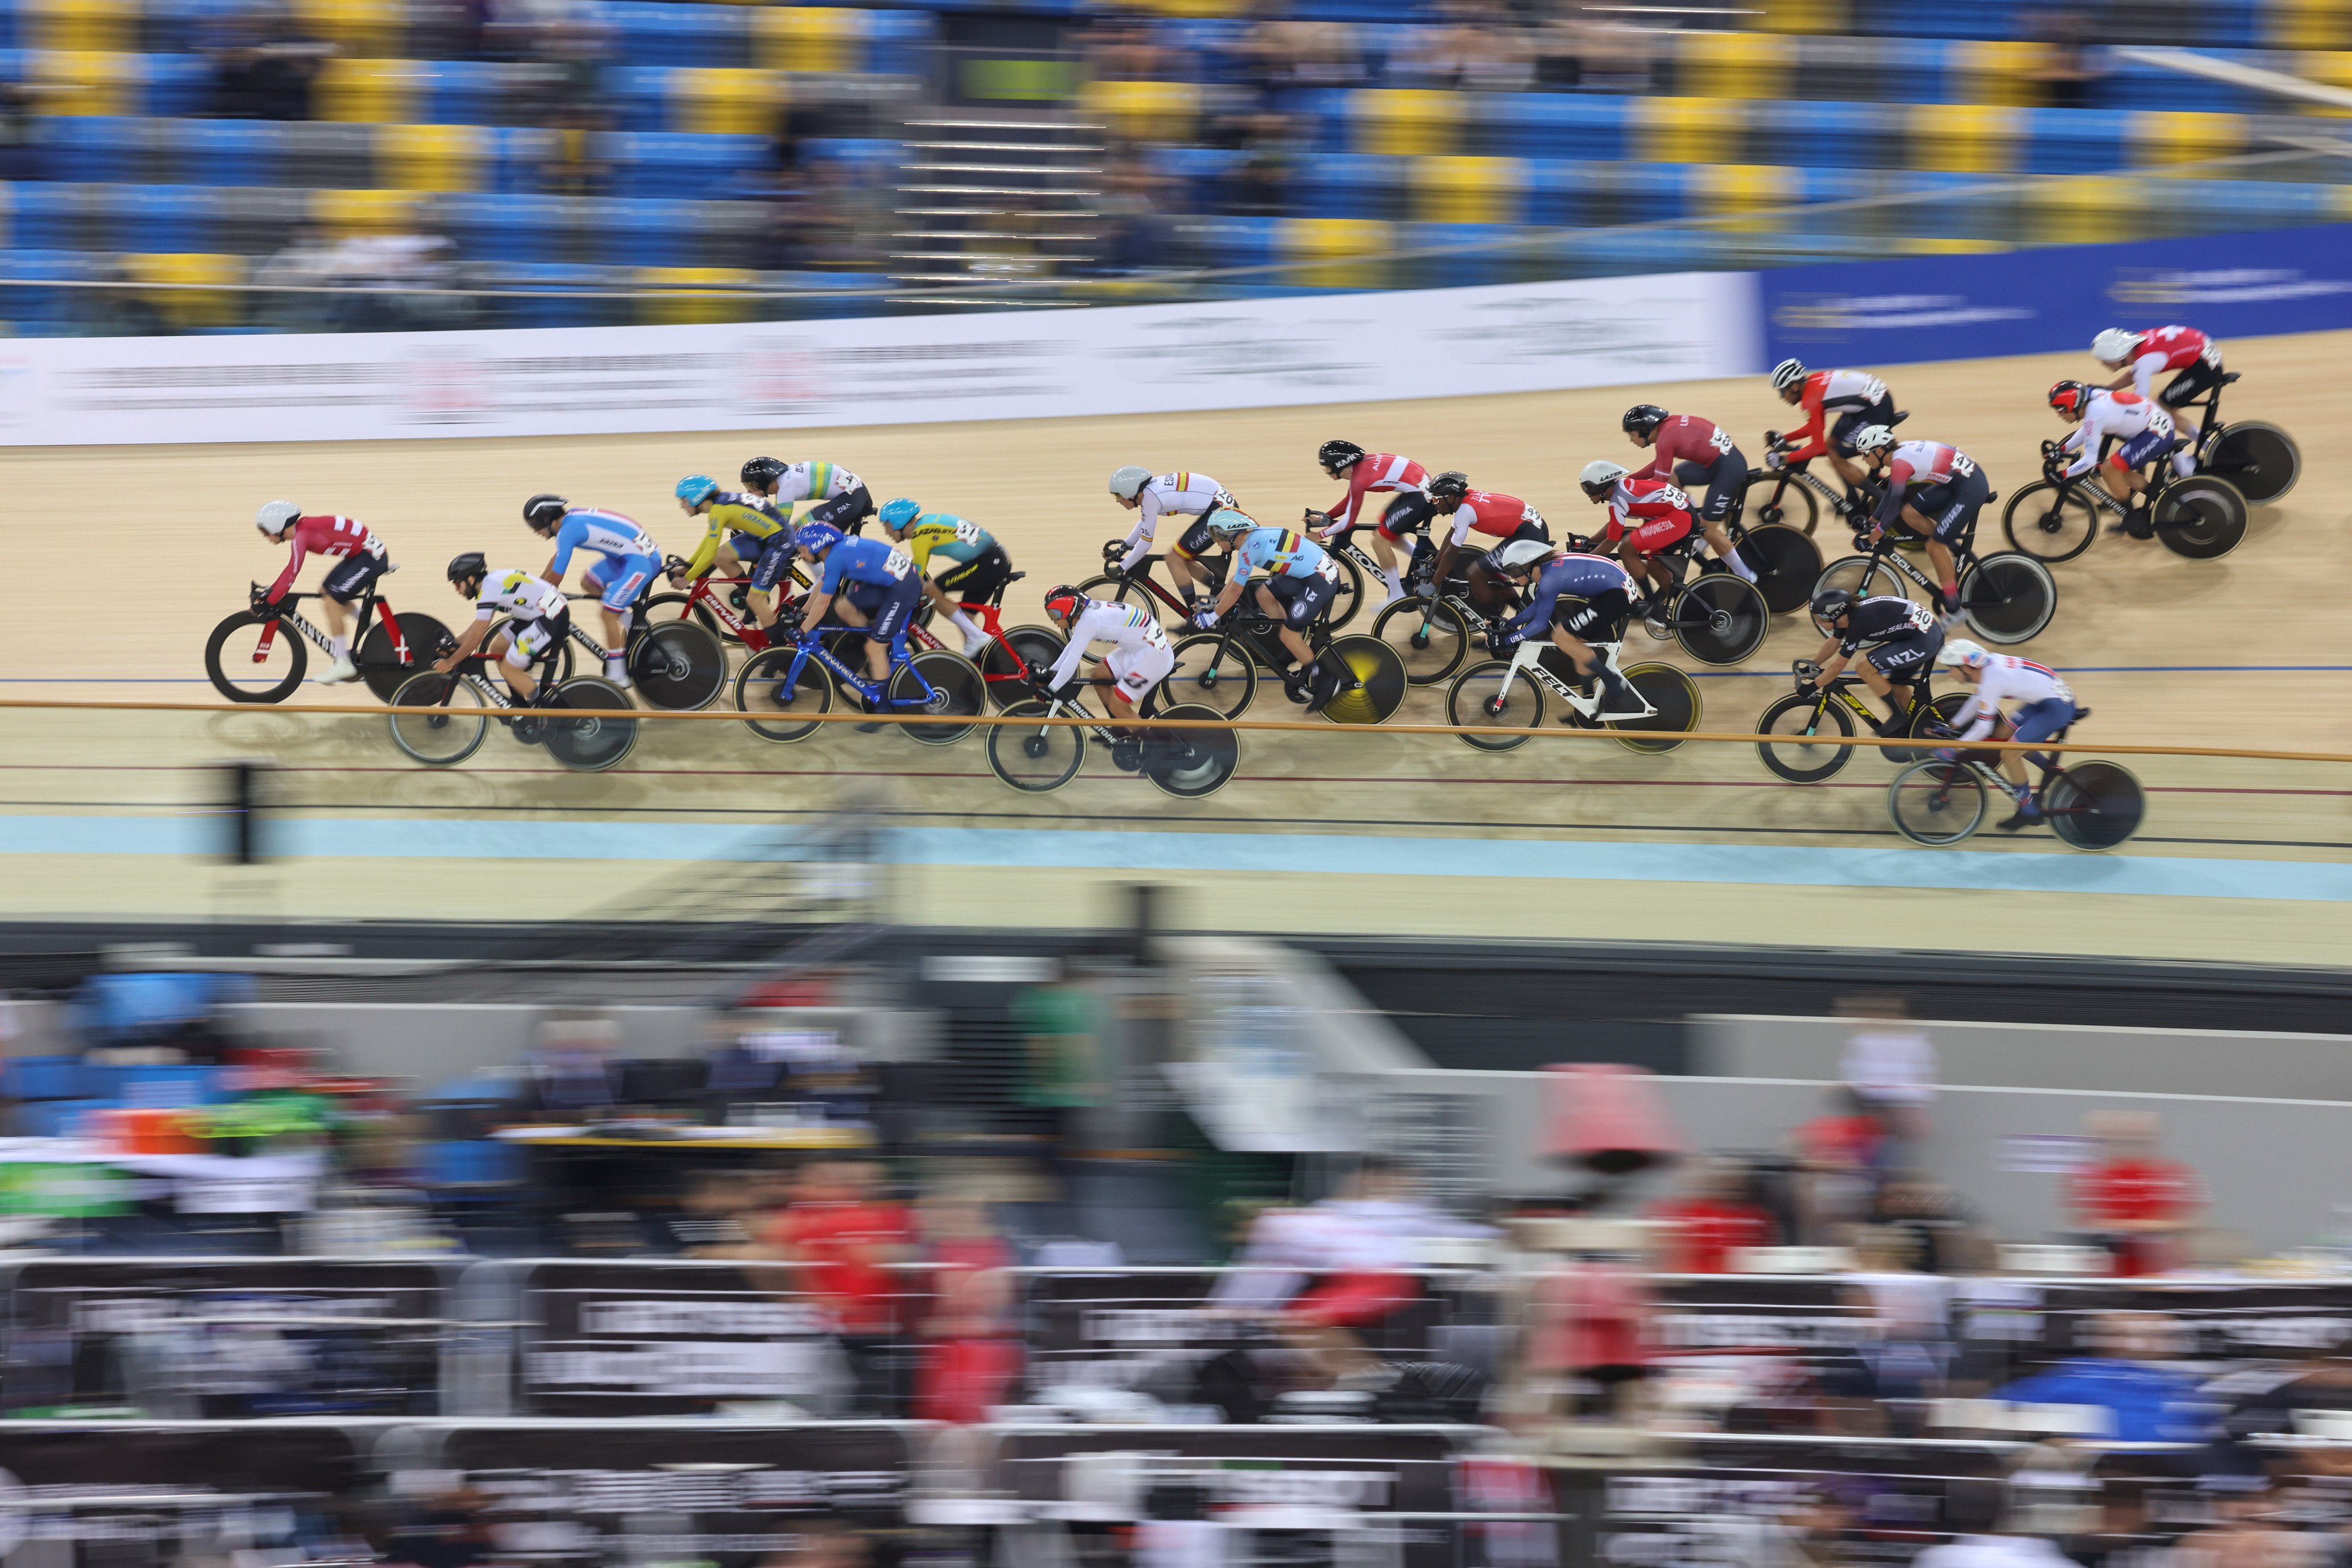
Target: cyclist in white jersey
point(2045, 705)
point(1139, 659)
point(541, 618)
point(2141, 432)
point(1182, 494)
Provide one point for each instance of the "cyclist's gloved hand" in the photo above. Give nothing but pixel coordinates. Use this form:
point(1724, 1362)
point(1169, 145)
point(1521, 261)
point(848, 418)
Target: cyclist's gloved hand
point(1776, 460)
point(1205, 618)
point(1498, 640)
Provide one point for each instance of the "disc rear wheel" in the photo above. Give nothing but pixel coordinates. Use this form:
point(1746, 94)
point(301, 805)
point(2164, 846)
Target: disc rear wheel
point(1191, 763)
point(2259, 458)
point(955, 690)
point(1375, 683)
point(1786, 565)
point(2094, 805)
point(2201, 517)
point(1675, 696)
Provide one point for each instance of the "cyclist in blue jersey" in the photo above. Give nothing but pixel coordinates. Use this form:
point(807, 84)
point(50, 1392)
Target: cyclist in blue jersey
point(1297, 588)
point(883, 591)
point(630, 560)
point(1584, 599)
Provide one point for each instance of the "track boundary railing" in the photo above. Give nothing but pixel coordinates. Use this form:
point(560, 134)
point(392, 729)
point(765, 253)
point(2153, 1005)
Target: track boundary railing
point(1242, 726)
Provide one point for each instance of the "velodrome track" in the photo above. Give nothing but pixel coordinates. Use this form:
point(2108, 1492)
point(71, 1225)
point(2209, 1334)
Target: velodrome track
point(126, 557)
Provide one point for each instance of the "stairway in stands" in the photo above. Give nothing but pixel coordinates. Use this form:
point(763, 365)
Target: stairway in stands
point(988, 202)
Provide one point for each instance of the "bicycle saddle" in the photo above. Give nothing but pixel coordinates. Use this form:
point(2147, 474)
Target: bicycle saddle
point(2229, 378)
point(390, 567)
point(1900, 416)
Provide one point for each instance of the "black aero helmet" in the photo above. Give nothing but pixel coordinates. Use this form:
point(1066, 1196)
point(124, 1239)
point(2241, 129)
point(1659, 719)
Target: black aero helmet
point(1644, 418)
point(543, 511)
point(761, 472)
point(1338, 457)
point(1448, 488)
point(1831, 603)
point(470, 565)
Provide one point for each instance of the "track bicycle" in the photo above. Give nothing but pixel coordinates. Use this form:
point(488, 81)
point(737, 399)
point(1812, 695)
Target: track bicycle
point(2256, 457)
point(1136, 586)
point(725, 615)
point(2055, 518)
point(1013, 657)
point(440, 719)
point(1797, 495)
point(1037, 758)
point(1357, 679)
point(2006, 598)
point(248, 662)
point(783, 697)
point(677, 666)
point(2092, 806)
point(1508, 693)
point(1785, 561)
point(1814, 719)
point(1717, 617)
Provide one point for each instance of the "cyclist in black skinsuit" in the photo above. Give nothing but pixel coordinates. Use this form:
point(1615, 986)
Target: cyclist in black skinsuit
point(1899, 639)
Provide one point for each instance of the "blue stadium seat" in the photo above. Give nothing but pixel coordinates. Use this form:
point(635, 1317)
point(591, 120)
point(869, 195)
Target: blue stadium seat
point(169, 218)
point(44, 1077)
point(229, 152)
point(897, 42)
point(1352, 184)
point(1552, 125)
point(663, 33)
point(509, 228)
point(176, 84)
point(552, 310)
point(665, 164)
point(47, 217)
point(99, 147)
point(638, 96)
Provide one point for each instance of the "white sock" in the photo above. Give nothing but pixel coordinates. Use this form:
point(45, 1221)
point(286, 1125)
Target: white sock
point(2184, 463)
point(1396, 583)
point(340, 647)
point(1738, 567)
point(623, 622)
point(963, 622)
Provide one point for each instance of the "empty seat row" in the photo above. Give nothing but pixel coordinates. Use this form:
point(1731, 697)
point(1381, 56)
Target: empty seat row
point(645, 32)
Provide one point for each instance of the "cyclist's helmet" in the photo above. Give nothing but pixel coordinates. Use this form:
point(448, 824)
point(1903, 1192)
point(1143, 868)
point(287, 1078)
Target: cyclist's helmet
point(1447, 488)
point(817, 537)
point(696, 488)
point(1064, 603)
point(276, 517)
point(470, 564)
point(761, 472)
point(1960, 650)
point(1226, 523)
point(1644, 418)
point(544, 512)
point(2070, 397)
point(1599, 479)
point(1831, 605)
point(899, 514)
point(1338, 457)
point(2114, 346)
point(1522, 555)
point(1872, 438)
point(1789, 372)
point(1128, 483)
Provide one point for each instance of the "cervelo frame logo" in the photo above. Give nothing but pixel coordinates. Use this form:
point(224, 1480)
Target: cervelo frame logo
point(2225, 285)
point(1887, 313)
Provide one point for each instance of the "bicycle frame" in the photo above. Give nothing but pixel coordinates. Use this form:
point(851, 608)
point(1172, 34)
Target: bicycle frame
point(705, 596)
point(370, 602)
point(1802, 474)
point(872, 694)
point(1526, 660)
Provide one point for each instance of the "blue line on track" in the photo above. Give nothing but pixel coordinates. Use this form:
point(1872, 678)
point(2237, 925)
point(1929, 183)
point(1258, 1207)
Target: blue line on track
point(1282, 853)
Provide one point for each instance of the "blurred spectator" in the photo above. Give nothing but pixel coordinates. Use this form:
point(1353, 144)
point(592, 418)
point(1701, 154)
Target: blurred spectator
point(262, 64)
point(1837, 1159)
point(1978, 1513)
point(841, 1233)
point(1906, 1349)
point(1327, 1271)
point(1587, 1349)
point(1062, 1069)
point(1122, 48)
point(1130, 207)
point(2138, 1204)
point(1261, 186)
point(2261, 1402)
point(1611, 57)
point(573, 168)
point(2250, 1529)
point(1929, 1223)
point(1889, 1063)
point(449, 1532)
point(1703, 1229)
point(1477, 49)
point(972, 1345)
point(20, 132)
point(307, 261)
point(2133, 1376)
point(2068, 67)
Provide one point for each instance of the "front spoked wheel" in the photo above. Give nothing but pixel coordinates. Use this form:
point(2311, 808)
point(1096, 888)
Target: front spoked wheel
point(1797, 508)
point(2008, 597)
point(1189, 764)
point(1035, 758)
point(595, 741)
point(2094, 805)
point(1375, 683)
point(451, 726)
point(1935, 803)
point(2050, 523)
point(955, 690)
point(773, 713)
point(1429, 635)
point(1488, 697)
point(1348, 596)
point(242, 672)
point(1216, 672)
point(1813, 727)
point(1672, 695)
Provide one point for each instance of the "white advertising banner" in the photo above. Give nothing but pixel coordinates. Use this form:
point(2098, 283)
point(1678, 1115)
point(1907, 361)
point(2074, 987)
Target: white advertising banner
point(1144, 359)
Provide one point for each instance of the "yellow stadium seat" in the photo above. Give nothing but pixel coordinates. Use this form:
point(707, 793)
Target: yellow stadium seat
point(1964, 137)
point(2001, 71)
point(429, 157)
point(1723, 189)
point(1805, 16)
point(2184, 136)
point(1734, 65)
point(86, 81)
point(1147, 111)
point(681, 303)
point(2085, 210)
point(808, 38)
point(1688, 129)
point(1931, 245)
point(726, 100)
point(1468, 190)
point(345, 213)
point(86, 25)
point(2329, 68)
point(367, 91)
point(2309, 24)
point(1193, 7)
point(1309, 239)
point(368, 27)
point(191, 307)
point(1408, 123)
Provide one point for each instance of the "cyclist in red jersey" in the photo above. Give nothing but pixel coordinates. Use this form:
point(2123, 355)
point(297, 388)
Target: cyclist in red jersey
point(1368, 474)
point(363, 560)
point(1837, 403)
point(1499, 517)
point(2141, 356)
point(1691, 452)
point(1645, 516)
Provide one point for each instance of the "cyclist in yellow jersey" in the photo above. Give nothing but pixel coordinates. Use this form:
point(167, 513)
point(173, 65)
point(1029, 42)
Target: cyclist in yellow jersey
point(743, 530)
point(977, 566)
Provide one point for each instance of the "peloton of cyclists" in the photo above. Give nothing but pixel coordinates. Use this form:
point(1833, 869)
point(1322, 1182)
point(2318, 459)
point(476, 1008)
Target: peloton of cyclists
point(630, 558)
point(977, 564)
point(1499, 517)
point(2139, 432)
point(1898, 641)
point(1297, 589)
point(1582, 598)
point(1179, 494)
point(2045, 706)
point(1368, 474)
point(1837, 403)
point(1141, 657)
point(361, 558)
point(1934, 489)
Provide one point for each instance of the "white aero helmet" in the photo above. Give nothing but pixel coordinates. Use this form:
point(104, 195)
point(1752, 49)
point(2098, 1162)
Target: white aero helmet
point(1787, 373)
point(1521, 554)
point(1872, 438)
point(1599, 477)
point(1128, 483)
point(1960, 650)
point(274, 517)
point(1225, 523)
point(2114, 346)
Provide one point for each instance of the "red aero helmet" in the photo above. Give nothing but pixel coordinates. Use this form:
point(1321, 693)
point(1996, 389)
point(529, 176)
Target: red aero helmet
point(2068, 396)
